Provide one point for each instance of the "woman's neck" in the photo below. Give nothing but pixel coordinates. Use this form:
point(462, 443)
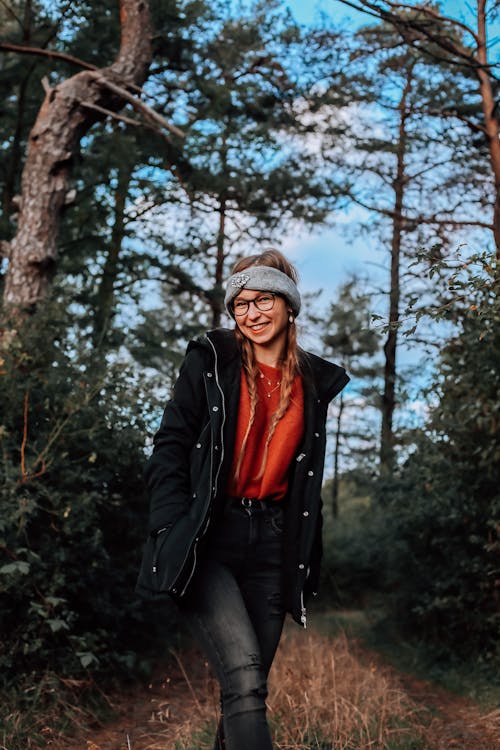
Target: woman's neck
point(272, 356)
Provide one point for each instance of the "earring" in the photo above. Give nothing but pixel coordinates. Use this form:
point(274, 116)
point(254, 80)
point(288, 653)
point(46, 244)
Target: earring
point(290, 318)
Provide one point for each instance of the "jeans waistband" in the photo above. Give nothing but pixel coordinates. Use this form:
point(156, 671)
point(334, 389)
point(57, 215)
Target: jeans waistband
point(255, 503)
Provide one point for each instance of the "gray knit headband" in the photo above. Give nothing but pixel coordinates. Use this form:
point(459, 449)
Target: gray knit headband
point(262, 279)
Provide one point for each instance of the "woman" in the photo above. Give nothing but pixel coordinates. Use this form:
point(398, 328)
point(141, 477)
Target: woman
point(235, 480)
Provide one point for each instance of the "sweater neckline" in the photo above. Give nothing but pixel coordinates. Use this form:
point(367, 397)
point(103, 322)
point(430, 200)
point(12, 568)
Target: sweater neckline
point(269, 369)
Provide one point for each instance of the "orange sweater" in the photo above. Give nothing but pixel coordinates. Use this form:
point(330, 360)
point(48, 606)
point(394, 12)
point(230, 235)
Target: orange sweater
point(273, 483)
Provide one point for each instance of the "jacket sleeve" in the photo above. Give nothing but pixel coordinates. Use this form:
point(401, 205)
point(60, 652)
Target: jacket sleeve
point(167, 472)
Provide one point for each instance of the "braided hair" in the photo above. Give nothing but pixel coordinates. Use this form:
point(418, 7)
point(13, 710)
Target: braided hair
point(290, 363)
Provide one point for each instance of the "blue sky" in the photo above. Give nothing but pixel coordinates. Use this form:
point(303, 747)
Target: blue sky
point(326, 257)
point(305, 11)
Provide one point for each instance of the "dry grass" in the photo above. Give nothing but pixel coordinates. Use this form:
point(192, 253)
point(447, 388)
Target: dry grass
point(322, 696)
point(325, 694)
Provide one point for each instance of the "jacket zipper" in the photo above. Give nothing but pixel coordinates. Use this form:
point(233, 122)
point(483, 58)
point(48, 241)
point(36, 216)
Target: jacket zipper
point(223, 402)
point(193, 549)
point(157, 534)
point(216, 478)
point(303, 612)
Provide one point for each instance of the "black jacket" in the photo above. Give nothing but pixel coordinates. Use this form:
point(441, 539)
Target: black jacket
point(189, 469)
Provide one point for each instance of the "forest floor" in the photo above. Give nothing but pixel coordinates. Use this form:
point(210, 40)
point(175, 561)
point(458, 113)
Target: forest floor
point(327, 692)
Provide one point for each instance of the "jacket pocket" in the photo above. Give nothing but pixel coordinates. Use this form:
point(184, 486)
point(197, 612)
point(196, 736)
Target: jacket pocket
point(166, 556)
point(160, 537)
point(276, 523)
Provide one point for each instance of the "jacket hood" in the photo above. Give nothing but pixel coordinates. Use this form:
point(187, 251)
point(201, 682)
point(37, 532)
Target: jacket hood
point(224, 341)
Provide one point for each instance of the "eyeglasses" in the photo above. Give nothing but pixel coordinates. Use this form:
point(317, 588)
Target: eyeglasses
point(263, 303)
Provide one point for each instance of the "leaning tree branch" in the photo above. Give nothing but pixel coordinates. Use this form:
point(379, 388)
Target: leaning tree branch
point(434, 15)
point(408, 27)
point(21, 49)
point(449, 113)
point(113, 115)
point(140, 106)
point(63, 120)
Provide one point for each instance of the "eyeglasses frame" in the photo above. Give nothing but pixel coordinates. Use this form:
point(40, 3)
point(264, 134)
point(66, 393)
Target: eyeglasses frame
point(254, 301)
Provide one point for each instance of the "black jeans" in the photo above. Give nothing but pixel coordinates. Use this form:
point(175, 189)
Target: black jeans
point(235, 610)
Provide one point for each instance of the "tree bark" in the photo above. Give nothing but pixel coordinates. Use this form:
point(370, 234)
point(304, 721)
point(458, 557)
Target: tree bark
point(217, 300)
point(62, 121)
point(105, 295)
point(491, 124)
point(390, 346)
point(336, 455)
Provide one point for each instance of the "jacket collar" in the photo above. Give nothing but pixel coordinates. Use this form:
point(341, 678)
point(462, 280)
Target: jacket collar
point(224, 342)
point(327, 379)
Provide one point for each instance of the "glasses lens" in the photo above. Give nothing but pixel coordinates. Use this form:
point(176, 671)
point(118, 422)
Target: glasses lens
point(240, 308)
point(264, 302)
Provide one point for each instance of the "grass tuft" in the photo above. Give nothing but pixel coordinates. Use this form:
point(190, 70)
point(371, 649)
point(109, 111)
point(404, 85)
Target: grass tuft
point(323, 697)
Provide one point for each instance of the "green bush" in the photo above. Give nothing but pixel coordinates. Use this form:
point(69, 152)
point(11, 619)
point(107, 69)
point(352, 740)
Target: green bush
point(427, 537)
point(73, 511)
point(443, 506)
point(354, 543)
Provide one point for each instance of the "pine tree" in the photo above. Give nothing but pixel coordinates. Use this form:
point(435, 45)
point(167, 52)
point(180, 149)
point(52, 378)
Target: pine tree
point(463, 47)
point(243, 173)
point(405, 166)
point(69, 110)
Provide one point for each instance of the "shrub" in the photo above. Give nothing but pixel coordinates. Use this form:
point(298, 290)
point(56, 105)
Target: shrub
point(73, 511)
point(355, 544)
point(444, 503)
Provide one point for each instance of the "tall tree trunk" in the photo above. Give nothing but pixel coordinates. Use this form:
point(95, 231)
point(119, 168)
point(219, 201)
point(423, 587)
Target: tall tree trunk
point(15, 151)
point(390, 346)
point(217, 300)
point(490, 111)
point(66, 114)
point(336, 453)
point(105, 294)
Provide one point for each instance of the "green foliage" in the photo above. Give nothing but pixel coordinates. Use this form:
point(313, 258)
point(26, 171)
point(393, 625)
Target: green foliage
point(427, 537)
point(444, 504)
point(356, 544)
point(73, 510)
point(244, 169)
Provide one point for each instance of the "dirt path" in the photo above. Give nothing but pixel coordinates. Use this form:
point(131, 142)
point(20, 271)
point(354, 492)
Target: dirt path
point(157, 715)
point(173, 708)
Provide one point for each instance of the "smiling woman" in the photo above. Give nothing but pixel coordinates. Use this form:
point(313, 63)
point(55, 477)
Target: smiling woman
point(235, 480)
point(264, 321)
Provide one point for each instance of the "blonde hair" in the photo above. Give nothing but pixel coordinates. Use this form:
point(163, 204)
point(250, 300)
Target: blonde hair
point(290, 364)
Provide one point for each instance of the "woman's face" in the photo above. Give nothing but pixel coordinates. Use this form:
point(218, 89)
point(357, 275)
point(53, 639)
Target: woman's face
point(266, 329)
